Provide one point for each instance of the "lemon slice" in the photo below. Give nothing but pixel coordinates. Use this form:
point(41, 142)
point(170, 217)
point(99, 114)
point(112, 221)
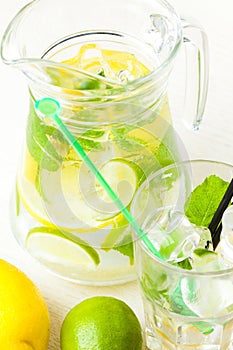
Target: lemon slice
point(72, 200)
point(114, 64)
point(53, 210)
point(50, 208)
point(31, 200)
point(30, 167)
point(49, 244)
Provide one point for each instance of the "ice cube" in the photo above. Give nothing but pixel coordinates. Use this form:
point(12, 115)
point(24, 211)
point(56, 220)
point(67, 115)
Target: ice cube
point(181, 238)
point(227, 222)
point(205, 238)
point(204, 260)
point(225, 247)
point(207, 298)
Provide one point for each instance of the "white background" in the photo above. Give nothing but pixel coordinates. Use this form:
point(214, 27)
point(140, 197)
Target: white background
point(213, 141)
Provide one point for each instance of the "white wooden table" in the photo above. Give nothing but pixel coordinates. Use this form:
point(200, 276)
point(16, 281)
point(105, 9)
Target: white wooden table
point(214, 141)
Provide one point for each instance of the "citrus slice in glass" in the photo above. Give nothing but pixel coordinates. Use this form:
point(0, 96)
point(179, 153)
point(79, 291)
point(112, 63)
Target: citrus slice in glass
point(71, 198)
point(41, 195)
point(113, 64)
point(88, 200)
point(202, 258)
point(58, 247)
point(49, 207)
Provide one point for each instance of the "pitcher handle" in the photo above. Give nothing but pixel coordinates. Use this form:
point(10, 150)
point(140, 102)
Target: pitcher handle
point(197, 72)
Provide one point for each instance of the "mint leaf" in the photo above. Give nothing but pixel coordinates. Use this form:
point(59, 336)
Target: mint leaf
point(38, 186)
point(125, 247)
point(118, 228)
point(184, 264)
point(101, 73)
point(203, 202)
point(93, 133)
point(89, 145)
point(125, 141)
point(158, 153)
point(168, 153)
point(69, 79)
point(41, 140)
point(155, 288)
point(89, 84)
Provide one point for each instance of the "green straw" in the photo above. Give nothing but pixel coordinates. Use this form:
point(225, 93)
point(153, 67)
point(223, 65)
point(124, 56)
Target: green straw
point(51, 108)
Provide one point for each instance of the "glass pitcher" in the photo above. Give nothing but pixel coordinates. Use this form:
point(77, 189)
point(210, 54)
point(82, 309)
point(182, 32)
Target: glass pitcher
point(108, 64)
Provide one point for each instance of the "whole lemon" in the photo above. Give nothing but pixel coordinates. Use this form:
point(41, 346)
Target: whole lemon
point(101, 323)
point(24, 317)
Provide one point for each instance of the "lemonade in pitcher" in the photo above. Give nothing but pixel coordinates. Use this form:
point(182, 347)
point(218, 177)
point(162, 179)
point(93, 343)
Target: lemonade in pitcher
point(108, 65)
point(65, 218)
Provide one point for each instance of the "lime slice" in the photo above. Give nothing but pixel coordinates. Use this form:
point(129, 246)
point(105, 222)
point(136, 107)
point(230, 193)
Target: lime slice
point(49, 244)
point(122, 179)
point(88, 200)
point(202, 258)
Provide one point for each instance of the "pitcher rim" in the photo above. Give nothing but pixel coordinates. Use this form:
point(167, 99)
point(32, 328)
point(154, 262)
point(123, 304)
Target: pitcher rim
point(130, 85)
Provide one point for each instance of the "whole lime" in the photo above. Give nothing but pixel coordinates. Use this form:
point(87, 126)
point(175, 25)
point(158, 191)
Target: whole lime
point(101, 323)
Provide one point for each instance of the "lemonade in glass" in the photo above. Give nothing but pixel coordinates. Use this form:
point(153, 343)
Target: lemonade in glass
point(187, 297)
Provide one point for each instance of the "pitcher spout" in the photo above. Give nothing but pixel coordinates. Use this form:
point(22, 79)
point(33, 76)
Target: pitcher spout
point(14, 42)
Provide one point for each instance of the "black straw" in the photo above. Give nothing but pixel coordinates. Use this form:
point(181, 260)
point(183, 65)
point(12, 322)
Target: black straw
point(215, 225)
point(216, 236)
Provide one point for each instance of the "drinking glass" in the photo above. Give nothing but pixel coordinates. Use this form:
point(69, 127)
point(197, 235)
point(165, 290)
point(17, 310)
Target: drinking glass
point(184, 308)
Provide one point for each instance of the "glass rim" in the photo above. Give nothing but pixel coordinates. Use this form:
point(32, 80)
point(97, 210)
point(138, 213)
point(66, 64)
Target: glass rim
point(175, 269)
